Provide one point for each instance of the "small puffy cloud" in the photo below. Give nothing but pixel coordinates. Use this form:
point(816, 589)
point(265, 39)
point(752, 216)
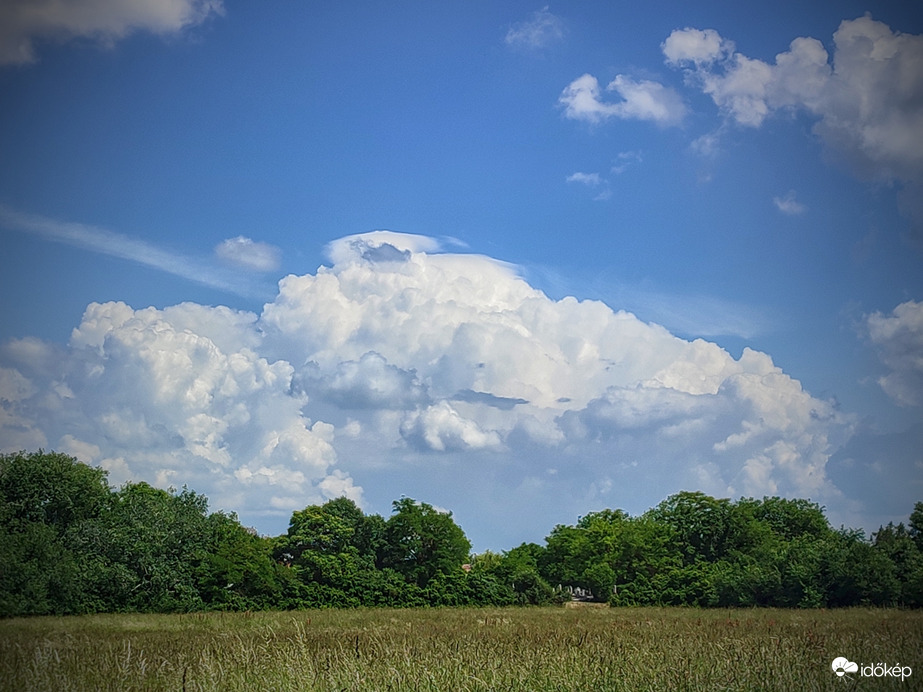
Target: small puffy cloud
point(401, 368)
point(865, 96)
point(581, 100)
point(747, 90)
point(742, 90)
point(647, 100)
point(788, 204)
point(695, 46)
point(249, 254)
point(592, 180)
point(22, 22)
point(625, 160)
point(641, 100)
point(541, 29)
point(899, 340)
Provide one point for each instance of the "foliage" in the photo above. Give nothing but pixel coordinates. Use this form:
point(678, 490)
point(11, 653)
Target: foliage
point(49, 488)
point(898, 545)
point(70, 544)
point(916, 524)
point(421, 542)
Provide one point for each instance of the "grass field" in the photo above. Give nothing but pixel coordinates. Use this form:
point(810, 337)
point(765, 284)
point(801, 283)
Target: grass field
point(465, 649)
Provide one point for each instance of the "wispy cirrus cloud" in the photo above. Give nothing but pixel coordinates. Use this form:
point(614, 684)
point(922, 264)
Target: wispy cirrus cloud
point(541, 29)
point(106, 242)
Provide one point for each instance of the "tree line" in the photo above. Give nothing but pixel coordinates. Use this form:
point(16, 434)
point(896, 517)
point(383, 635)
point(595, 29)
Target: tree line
point(69, 544)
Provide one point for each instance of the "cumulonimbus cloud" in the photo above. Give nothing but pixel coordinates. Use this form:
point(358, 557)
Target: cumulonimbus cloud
point(401, 353)
point(22, 22)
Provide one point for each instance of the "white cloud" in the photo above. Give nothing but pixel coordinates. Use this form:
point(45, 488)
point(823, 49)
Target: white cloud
point(625, 160)
point(788, 204)
point(592, 180)
point(866, 100)
point(114, 244)
point(644, 100)
point(695, 46)
point(173, 404)
point(581, 100)
point(443, 376)
point(540, 30)
point(368, 383)
point(440, 427)
point(899, 340)
point(694, 314)
point(22, 22)
point(249, 254)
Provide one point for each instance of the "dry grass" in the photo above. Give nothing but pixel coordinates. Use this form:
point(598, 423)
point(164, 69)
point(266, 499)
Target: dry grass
point(466, 649)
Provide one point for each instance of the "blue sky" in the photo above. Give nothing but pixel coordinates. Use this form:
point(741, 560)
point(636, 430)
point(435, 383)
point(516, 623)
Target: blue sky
point(634, 250)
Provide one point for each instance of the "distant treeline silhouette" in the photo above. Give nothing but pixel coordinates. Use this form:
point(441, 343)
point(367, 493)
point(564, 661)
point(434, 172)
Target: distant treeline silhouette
point(70, 544)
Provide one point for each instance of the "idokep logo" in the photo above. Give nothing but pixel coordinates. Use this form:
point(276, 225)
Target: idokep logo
point(843, 667)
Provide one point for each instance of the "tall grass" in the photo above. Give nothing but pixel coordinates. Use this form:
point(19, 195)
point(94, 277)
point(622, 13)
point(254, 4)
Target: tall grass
point(465, 649)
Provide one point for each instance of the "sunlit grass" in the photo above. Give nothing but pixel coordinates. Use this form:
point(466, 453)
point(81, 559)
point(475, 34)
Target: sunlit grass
point(458, 649)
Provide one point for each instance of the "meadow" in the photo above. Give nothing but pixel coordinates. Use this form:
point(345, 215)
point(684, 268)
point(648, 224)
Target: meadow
point(535, 649)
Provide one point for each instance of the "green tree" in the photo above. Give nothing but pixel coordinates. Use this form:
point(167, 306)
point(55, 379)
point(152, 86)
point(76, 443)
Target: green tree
point(37, 573)
point(897, 544)
point(854, 573)
point(516, 573)
point(599, 578)
point(704, 527)
point(422, 542)
point(43, 497)
point(237, 571)
point(568, 553)
point(334, 550)
point(149, 549)
point(610, 551)
point(49, 488)
point(319, 549)
point(916, 525)
point(789, 518)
